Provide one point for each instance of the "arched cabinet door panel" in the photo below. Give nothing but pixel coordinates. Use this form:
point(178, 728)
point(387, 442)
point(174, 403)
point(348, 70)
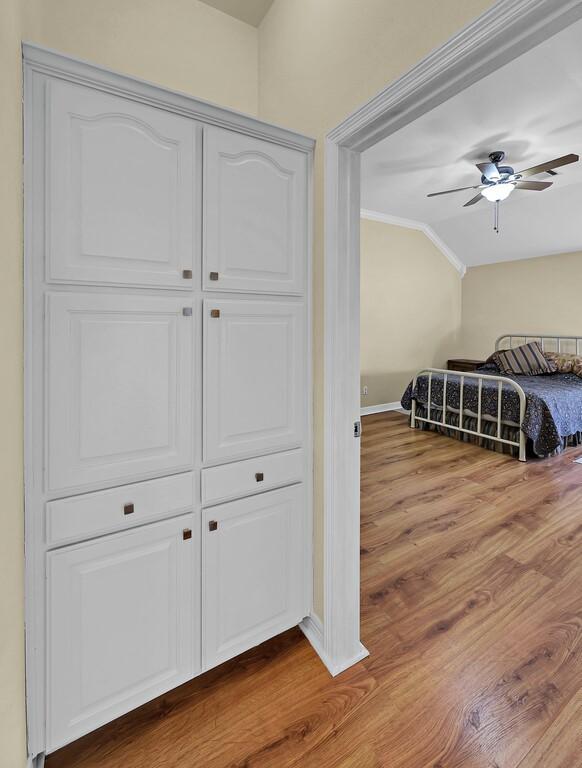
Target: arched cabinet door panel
point(120, 181)
point(119, 389)
point(255, 214)
point(254, 362)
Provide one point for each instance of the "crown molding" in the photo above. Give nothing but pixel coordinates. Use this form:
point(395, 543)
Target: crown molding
point(398, 221)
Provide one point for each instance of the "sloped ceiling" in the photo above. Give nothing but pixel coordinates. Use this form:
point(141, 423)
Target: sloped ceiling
point(250, 11)
point(532, 109)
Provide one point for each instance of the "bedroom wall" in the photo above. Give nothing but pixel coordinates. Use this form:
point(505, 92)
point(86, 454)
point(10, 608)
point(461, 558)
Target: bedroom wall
point(540, 295)
point(12, 723)
point(318, 61)
point(410, 308)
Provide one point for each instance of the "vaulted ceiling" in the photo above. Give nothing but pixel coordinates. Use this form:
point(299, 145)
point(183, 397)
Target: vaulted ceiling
point(532, 109)
point(250, 11)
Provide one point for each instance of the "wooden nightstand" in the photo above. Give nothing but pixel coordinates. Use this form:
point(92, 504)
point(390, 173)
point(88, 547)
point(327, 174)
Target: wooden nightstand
point(462, 364)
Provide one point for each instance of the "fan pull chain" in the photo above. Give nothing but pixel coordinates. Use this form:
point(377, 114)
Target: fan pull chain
point(496, 217)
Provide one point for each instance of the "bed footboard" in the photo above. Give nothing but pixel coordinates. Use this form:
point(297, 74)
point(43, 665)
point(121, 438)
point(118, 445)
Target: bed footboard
point(502, 381)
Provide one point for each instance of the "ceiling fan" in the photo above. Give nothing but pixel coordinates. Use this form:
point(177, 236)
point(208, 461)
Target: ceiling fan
point(499, 181)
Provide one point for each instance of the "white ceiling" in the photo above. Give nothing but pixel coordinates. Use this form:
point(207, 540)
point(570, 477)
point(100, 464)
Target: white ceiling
point(250, 11)
point(532, 109)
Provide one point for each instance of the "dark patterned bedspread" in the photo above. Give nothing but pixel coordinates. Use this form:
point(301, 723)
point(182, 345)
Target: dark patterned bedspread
point(553, 404)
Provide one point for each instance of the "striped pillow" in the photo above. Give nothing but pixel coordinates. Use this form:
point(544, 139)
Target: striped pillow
point(526, 360)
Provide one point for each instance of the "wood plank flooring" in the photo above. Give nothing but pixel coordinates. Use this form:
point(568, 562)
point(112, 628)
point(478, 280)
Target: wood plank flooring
point(471, 611)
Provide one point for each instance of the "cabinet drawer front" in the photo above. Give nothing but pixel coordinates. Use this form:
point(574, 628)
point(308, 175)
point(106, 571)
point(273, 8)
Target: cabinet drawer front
point(119, 400)
point(123, 624)
point(253, 571)
point(254, 386)
point(119, 190)
point(83, 517)
point(255, 214)
point(251, 476)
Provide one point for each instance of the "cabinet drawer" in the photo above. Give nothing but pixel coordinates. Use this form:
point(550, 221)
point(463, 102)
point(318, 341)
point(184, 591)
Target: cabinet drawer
point(251, 476)
point(83, 517)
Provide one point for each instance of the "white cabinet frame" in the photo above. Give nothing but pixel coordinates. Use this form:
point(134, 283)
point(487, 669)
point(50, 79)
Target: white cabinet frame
point(40, 64)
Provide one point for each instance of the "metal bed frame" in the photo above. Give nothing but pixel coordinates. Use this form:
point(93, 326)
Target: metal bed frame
point(548, 343)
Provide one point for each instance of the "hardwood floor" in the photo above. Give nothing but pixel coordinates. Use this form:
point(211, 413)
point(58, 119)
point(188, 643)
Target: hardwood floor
point(471, 611)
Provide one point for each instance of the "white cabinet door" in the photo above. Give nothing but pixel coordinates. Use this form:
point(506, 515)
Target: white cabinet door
point(255, 214)
point(123, 624)
point(254, 392)
point(253, 571)
point(120, 181)
point(119, 398)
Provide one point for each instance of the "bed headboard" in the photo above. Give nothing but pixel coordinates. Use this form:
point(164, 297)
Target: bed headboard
point(549, 343)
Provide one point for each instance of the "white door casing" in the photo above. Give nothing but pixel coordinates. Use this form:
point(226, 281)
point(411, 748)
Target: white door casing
point(253, 571)
point(254, 363)
point(255, 215)
point(119, 389)
point(120, 192)
point(122, 623)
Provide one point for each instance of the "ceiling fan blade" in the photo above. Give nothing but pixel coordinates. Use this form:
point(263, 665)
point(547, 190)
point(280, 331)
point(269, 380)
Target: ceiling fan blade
point(550, 165)
point(535, 185)
point(489, 170)
point(459, 189)
point(474, 200)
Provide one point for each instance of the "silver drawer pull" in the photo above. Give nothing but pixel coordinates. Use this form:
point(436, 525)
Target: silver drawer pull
point(128, 509)
point(259, 477)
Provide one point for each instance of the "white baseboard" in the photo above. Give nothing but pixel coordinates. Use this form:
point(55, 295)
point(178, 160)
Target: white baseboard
point(313, 630)
point(35, 762)
point(367, 410)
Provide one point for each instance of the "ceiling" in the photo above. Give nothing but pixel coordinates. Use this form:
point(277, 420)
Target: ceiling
point(532, 109)
point(250, 11)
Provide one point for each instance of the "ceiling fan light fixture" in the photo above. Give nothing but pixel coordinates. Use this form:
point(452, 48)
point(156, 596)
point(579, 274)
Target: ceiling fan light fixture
point(496, 192)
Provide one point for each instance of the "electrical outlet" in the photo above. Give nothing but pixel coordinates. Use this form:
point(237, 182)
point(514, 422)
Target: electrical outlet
point(364, 390)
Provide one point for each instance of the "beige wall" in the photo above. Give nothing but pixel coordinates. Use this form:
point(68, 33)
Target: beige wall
point(318, 61)
point(539, 295)
point(181, 44)
point(410, 308)
point(12, 729)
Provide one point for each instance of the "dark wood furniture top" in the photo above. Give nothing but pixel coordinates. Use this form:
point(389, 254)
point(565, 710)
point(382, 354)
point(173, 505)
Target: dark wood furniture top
point(464, 364)
point(471, 608)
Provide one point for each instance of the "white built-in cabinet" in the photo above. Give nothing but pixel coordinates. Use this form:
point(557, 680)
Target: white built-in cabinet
point(168, 496)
